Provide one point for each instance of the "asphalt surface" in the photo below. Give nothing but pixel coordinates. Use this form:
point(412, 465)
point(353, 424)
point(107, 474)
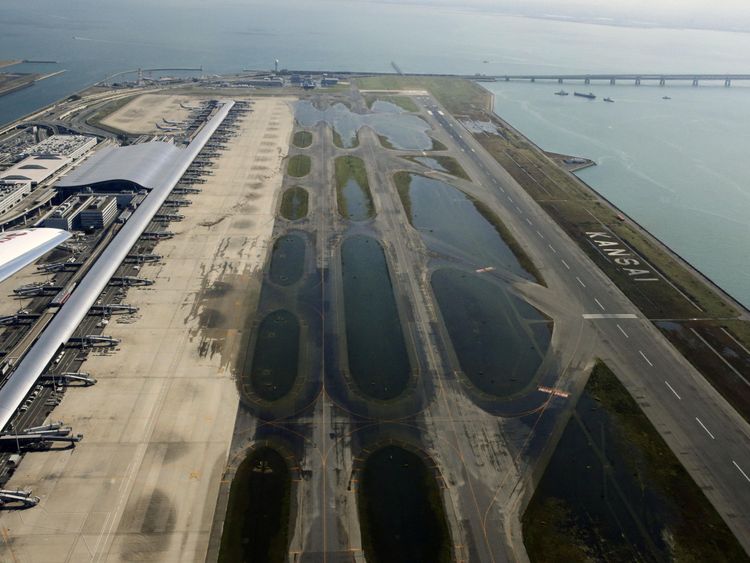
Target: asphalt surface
point(705, 432)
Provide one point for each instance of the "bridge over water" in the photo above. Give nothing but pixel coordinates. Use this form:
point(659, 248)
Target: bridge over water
point(662, 79)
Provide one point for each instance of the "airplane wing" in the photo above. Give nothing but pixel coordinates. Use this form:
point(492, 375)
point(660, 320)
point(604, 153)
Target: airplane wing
point(22, 247)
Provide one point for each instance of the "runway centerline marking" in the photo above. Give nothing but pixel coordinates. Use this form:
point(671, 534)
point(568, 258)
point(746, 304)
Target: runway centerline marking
point(580, 281)
point(552, 248)
point(540, 234)
point(740, 470)
point(645, 358)
point(625, 334)
point(529, 221)
point(704, 428)
point(564, 263)
point(672, 390)
point(600, 304)
point(610, 316)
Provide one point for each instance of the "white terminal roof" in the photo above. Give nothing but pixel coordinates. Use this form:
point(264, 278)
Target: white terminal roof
point(147, 164)
point(35, 169)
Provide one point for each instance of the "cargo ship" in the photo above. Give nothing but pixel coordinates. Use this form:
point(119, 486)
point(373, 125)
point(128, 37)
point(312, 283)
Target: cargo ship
point(588, 96)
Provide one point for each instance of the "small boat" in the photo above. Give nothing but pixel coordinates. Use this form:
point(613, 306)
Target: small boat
point(666, 98)
point(588, 96)
point(561, 93)
point(608, 99)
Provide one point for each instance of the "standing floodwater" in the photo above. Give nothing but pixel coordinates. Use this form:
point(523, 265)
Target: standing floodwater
point(400, 510)
point(287, 260)
point(257, 525)
point(454, 224)
point(499, 340)
point(402, 131)
point(378, 361)
point(274, 363)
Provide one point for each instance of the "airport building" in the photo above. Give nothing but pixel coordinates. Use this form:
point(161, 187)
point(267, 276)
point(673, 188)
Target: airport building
point(34, 169)
point(65, 215)
point(98, 213)
point(70, 146)
point(12, 193)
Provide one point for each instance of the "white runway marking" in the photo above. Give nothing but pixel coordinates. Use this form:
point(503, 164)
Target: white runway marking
point(740, 470)
point(645, 358)
point(600, 304)
point(580, 281)
point(540, 234)
point(704, 428)
point(610, 316)
point(672, 390)
point(625, 334)
point(564, 263)
point(529, 221)
point(552, 248)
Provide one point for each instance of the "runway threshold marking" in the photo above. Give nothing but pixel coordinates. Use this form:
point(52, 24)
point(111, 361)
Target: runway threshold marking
point(645, 358)
point(600, 304)
point(704, 428)
point(625, 334)
point(740, 470)
point(672, 390)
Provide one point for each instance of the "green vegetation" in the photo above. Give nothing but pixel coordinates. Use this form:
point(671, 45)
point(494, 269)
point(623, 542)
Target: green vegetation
point(402, 180)
point(614, 491)
point(716, 355)
point(438, 146)
point(352, 168)
point(449, 164)
point(339, 142)
point(457, 95)
point(303, 139)
point(256, 528)
point(401, 511)
point(299, 165)
point(404, 102)
point(520, 254)
point(385, 142)
point(294, 203)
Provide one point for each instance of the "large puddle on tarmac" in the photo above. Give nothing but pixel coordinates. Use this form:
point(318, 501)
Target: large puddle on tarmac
point(378, 361)
point(287, 260)
point(614, 491)
point(258, 511)
point(452, 224)
point(499, 340)
point(276, 355)
point(401, 510)
point(403, 131)
point(357, 204)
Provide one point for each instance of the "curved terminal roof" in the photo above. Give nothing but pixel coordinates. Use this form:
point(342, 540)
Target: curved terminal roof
point(147, 164)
